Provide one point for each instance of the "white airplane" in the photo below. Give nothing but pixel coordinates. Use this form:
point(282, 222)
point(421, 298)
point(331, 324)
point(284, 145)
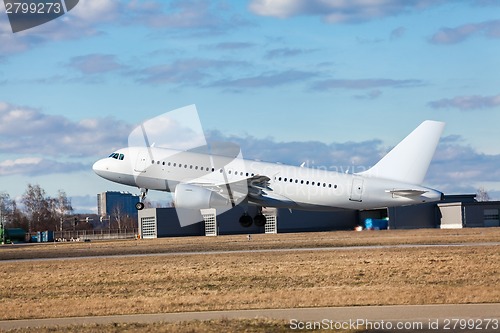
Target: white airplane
point(199, 180)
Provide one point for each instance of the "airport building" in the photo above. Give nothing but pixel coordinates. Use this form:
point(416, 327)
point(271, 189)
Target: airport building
point(112, 203)
point(163, 222)
point(456, 211)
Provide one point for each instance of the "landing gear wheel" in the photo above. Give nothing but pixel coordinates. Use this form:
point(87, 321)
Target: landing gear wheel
point(142, 196)
point(246, 220)
point(259, 220)
point(139, 206)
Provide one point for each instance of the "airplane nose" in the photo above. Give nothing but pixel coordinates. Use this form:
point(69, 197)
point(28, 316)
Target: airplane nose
point(99, 167)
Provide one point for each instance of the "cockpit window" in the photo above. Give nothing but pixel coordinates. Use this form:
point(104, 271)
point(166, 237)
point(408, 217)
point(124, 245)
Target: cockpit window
point(117, 156)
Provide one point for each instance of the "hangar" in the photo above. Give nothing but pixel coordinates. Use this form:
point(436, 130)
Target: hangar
point(456, 211)
point(163, 222)
point(471, 214)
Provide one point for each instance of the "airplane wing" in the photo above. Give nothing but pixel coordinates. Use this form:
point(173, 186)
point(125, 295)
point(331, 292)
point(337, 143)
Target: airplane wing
point(238, 190)
point(406, 193)
point(259, 193)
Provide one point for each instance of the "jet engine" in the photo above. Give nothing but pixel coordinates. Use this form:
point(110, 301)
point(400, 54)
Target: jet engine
point(196, 197)
point(246, 220)
point(259, 220)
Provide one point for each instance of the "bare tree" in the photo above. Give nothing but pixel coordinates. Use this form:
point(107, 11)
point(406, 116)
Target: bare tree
point(60, 208)
point(482, 195)
point(118, 215)
point(18, 219)
point(130, 222)
point(44, 212)
point(5, 206)
point(37, 208)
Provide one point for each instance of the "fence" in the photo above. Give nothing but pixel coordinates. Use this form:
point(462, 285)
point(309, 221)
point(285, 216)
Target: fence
point(94, 234)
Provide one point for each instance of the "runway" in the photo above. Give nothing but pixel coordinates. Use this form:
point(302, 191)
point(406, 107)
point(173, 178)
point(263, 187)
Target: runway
point(422, 318)
point(295, 249)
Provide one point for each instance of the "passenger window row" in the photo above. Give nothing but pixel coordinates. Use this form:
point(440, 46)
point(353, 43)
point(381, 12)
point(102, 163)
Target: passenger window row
point(195, 167)
point(180, 165)
point(306, 182)
point(247, 174)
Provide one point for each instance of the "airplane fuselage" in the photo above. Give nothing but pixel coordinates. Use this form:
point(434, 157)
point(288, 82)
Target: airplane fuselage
point(287, 186)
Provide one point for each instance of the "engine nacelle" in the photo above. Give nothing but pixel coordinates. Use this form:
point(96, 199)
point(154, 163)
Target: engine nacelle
point(196, 197)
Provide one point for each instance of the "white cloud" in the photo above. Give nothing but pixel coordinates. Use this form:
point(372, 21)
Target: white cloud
point(198, 16)
point(176, 129)
point(90, 11)
point(458, 167)
point(285, 52)
point(265, 80)
point(364, 84)
point(490, 29)
point(229, 46)
point(35, 166)
point(84, 203)
point(192, 72)
point(277, 8)
point(95, 63)
point(20, 161)
point(466, 103)
point(83, 21)
point(26, 130)
point(352, 11)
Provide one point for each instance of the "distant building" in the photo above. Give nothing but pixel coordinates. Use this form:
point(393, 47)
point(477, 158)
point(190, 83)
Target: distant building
point(113, 203)
point(469, 214)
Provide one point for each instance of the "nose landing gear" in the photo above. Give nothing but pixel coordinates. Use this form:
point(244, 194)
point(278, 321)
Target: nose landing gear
point(140, 204)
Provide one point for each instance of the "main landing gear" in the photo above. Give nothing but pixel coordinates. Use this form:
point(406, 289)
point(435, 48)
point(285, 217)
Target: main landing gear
point(140, 204)
point(259, 220)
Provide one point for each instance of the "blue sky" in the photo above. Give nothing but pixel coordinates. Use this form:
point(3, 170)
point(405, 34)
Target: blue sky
point(333, 83)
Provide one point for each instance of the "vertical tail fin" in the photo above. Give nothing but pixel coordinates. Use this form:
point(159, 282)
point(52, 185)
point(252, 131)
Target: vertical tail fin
point(409, 160)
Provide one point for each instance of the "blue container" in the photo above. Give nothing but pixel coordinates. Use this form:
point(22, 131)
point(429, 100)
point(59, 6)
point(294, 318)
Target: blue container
point(47, 236)
point(43, 237)
point(376, 224)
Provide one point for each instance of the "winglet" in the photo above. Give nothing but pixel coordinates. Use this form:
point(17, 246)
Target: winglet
point(409, 160)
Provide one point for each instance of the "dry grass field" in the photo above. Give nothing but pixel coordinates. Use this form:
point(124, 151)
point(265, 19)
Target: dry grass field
point(248, 280)
point(259, 241)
